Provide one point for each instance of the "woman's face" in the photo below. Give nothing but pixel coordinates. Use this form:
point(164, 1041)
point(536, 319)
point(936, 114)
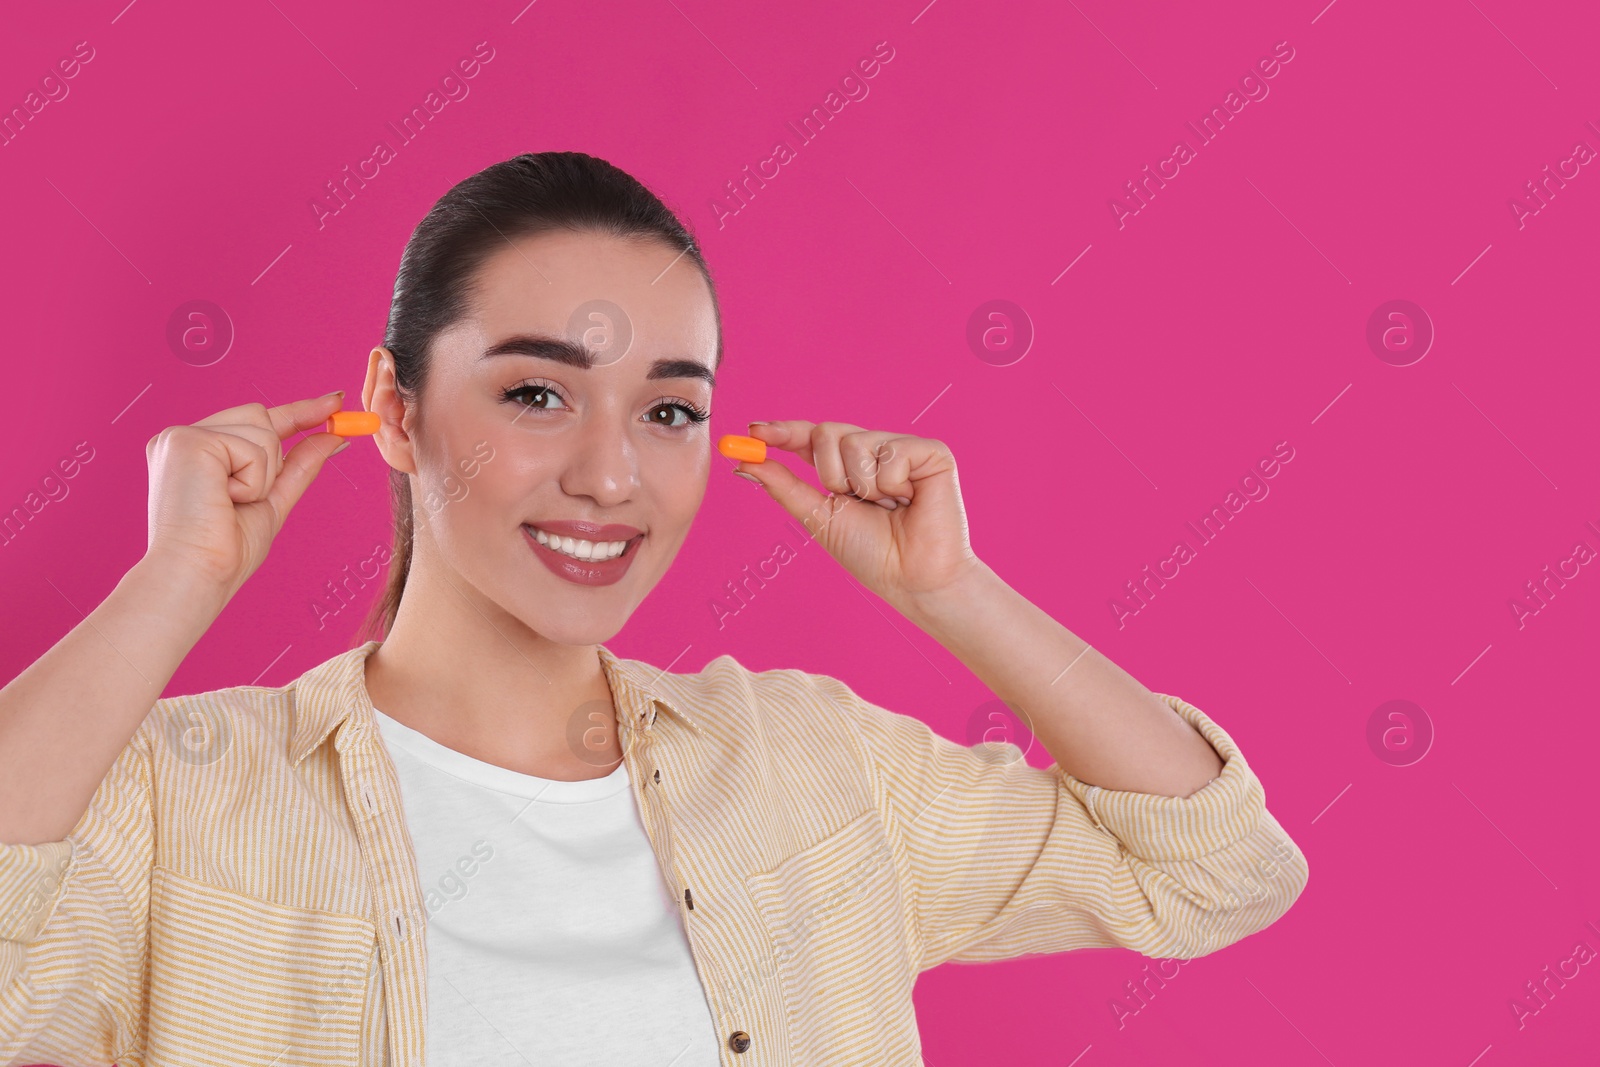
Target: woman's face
point(516, 442)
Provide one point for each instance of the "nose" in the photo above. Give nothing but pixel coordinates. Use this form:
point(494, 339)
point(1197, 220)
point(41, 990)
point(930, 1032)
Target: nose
point(603, 464)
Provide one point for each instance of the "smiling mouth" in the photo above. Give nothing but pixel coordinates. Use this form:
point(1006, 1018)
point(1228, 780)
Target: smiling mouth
point(580, 550)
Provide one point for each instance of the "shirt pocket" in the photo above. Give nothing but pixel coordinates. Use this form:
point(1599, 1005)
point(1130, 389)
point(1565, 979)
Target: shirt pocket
point(835, 918)
point(237, 981)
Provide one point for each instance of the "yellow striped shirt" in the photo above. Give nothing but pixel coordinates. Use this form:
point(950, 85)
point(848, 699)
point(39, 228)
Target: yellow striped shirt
point(242, 891)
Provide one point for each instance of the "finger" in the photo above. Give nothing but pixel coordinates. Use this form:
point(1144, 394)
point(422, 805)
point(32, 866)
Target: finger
point(797, 496)
point(802, 438)
point(300, 468)
point(900, 455)
point(863, 455)
point(826, 450)
point(895, 456)
point(255, 433)
point(251, 468)
point(267, 451)
point(285, 420)
point(792, 435)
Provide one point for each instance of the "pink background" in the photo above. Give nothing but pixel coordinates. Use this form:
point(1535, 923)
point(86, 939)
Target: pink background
point(1227, 315)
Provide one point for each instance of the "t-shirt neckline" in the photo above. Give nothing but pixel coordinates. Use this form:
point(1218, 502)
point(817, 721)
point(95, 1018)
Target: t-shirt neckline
point(447, 760)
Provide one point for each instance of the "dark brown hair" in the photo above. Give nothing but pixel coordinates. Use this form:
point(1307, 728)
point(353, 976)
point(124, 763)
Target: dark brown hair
point(533, 193)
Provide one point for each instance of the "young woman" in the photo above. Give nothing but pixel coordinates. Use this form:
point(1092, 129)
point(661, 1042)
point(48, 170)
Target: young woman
point(485, 837)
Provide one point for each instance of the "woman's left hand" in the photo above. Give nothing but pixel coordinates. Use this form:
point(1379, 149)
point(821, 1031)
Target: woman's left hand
point(914, 543)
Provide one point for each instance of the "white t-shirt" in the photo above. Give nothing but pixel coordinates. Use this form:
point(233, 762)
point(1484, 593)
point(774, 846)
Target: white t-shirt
point(552, 937)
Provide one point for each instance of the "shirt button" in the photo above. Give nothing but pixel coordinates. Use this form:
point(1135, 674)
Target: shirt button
point(738, 1041)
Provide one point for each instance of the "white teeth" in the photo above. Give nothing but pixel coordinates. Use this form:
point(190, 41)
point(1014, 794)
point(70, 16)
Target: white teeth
point(592, 551)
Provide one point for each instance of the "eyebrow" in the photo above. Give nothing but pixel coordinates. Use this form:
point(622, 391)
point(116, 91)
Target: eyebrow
point(560, 350)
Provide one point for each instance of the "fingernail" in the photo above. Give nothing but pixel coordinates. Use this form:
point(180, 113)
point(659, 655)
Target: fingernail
point(886, 503)
point(342, 445)
point(752, 477)
point(337, 392)
point(758, 422)
point(904, 500)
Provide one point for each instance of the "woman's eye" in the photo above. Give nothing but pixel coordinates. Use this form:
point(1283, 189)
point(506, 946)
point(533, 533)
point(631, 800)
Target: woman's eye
point(672, 415)
point(669, 415)
point(533, 396)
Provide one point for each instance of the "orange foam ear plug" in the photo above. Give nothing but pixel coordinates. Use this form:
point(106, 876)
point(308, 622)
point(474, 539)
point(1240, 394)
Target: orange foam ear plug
point(354, 423)
point(748, 449)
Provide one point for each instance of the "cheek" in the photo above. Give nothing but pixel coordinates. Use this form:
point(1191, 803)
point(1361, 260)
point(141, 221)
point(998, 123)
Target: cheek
point(517, 477)
point(677, 486)
point(477, 478)
point(497, 489)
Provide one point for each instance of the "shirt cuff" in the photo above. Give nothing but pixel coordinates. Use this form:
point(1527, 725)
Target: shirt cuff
point(1218, 815)
point(31, 877)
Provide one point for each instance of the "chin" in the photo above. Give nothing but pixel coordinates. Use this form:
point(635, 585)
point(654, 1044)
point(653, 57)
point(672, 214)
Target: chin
point(572, 615)
point(570, 631)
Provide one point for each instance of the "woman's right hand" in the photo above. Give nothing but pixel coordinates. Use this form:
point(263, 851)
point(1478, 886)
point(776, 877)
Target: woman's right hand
point(220, 489)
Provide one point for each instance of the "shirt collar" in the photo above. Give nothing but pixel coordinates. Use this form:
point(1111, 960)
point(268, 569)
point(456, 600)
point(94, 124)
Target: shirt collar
point(329, 693)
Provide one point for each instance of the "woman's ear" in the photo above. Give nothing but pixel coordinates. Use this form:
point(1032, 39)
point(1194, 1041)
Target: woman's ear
point(379, 395)
point(374, 360)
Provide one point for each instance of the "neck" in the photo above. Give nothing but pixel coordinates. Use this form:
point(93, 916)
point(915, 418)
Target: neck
point(458, 669)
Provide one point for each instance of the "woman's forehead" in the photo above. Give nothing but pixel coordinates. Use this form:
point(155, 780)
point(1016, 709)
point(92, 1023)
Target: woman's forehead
point(599, 290)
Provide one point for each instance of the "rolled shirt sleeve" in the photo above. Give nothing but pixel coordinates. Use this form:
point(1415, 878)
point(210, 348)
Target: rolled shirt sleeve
point(1241, 871)
point(74, 918)
point(1000, 859)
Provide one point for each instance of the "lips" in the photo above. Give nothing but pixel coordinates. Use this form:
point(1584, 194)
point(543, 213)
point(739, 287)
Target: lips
point(575, 569)
point(588, 531)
